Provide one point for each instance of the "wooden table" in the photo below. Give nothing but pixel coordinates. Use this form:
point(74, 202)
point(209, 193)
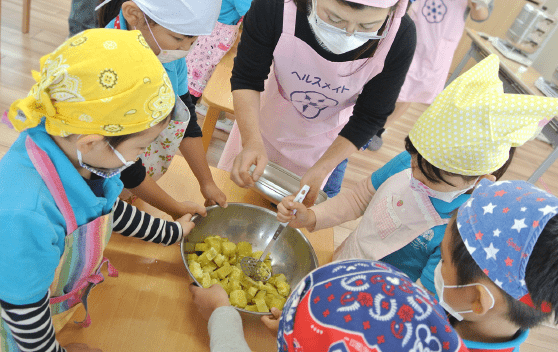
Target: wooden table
point(148, 307)
point(517, 83)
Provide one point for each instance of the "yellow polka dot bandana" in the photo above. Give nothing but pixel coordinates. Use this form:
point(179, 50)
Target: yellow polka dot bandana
point(101, 81)
point(471, 125)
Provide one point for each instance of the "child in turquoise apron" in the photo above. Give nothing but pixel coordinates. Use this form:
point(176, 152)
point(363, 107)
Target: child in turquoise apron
point(84, 121)
point(464, 136)
point(170, 28)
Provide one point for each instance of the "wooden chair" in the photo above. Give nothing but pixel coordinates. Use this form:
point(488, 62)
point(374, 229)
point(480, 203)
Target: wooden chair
point(25, 16)
point(218, 95)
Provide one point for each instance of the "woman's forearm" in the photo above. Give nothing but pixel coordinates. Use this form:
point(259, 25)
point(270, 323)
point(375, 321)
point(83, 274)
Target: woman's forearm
point(340, 149)
point(247, 114)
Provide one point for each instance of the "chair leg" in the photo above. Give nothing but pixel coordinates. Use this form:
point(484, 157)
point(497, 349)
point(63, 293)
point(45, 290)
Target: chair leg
point(25, 16)
point(209, 126)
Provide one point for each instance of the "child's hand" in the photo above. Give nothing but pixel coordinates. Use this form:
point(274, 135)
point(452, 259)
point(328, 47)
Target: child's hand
point(213, 195)
point(80, 347)
point(190, 208)
point(272, 322)
point(209, 299)
point(186, 224)
point(303, 218)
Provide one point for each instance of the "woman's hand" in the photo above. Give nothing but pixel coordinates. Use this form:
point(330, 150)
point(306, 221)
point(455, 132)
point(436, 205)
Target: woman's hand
point(251, 154)
point(80, 347)
point(209, 299)
point(271, 322)
point(213, 195)
point(303, 218)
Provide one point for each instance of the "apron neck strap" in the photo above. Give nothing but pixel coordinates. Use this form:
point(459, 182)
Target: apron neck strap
point(289, 17)
point(50, 176)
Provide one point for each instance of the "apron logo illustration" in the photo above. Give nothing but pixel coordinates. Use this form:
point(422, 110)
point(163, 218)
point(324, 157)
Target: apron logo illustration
point(311, 104)
point(434, 11)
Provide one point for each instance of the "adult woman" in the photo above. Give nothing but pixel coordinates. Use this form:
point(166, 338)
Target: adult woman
point(338, 67)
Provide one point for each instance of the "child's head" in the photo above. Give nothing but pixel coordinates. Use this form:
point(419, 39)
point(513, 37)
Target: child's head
point(362, 305)
point(166, 24)
point(503, 242)
point(99, 86)
point(471, 128)
point(444, 181)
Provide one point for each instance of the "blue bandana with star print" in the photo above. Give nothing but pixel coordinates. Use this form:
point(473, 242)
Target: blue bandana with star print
point(363, 306)
point(500, 225)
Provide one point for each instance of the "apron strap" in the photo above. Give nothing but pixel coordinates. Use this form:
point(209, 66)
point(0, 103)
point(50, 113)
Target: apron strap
point(50, 176)
point(88, 284)
point(289, 17)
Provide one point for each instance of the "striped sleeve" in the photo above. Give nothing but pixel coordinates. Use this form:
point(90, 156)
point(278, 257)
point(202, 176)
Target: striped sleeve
point(132, 222)
point(31, 325)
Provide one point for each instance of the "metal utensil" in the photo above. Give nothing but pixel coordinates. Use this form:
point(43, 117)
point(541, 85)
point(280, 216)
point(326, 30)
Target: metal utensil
point(253, 267)
point(276, 183)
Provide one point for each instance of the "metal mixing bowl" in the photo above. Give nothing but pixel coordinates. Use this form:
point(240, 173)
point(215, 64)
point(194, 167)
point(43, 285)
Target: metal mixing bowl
point(292, 254)
point(277, 182)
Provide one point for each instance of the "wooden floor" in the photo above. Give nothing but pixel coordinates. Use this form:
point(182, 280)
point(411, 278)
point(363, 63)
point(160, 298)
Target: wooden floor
point(21, 53)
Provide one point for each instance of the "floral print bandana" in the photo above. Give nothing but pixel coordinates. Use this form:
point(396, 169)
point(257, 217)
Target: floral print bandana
point(101, 81)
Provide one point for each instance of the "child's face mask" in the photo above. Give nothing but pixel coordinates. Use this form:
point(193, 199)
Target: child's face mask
point(166, 56)
point(440, 286)
point(447, 197)
point(106, 173)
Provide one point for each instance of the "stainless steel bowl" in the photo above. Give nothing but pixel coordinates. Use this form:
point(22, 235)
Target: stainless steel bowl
point(292, 254)
point(277, 182)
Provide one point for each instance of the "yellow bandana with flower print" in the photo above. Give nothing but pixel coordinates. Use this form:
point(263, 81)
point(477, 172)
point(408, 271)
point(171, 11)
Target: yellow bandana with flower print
point(471, 126)
point(101, 81)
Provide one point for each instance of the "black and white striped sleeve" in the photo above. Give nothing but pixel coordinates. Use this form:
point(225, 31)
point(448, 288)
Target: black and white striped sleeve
point(31, 325)
point(132, 222)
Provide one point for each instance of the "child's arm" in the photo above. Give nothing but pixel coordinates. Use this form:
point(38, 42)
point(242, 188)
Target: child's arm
point(348, 205)
point(150, 192)
point(225, 325)
point(192, 149)
point(32, 328)
point(131, 222)
point(193, 152)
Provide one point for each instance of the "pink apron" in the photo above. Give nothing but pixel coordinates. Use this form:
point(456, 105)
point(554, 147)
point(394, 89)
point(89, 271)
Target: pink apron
point(308, 99)
point(440, 25)
point(208, 52)
point(395, 217)
point(79, 269)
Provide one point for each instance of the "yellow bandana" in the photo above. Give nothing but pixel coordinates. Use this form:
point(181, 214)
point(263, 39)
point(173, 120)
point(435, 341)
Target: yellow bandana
point(101, 81)
point(471, 125)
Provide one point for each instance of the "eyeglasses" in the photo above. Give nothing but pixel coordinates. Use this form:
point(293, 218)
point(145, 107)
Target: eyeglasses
point(361, 35)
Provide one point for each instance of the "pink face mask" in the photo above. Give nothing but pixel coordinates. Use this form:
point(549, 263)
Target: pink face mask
point(447, 197)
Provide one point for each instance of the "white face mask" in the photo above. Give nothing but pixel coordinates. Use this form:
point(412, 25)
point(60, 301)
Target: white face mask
point(439, 284)
point(447, 197)
point(335, 39)
point(106, 173)
point(166, 56)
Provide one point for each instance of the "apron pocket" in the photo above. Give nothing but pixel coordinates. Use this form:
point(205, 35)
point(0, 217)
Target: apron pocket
point(385, 218)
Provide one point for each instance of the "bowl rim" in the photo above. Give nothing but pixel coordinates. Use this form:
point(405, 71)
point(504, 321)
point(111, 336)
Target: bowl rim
point(245, 205)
